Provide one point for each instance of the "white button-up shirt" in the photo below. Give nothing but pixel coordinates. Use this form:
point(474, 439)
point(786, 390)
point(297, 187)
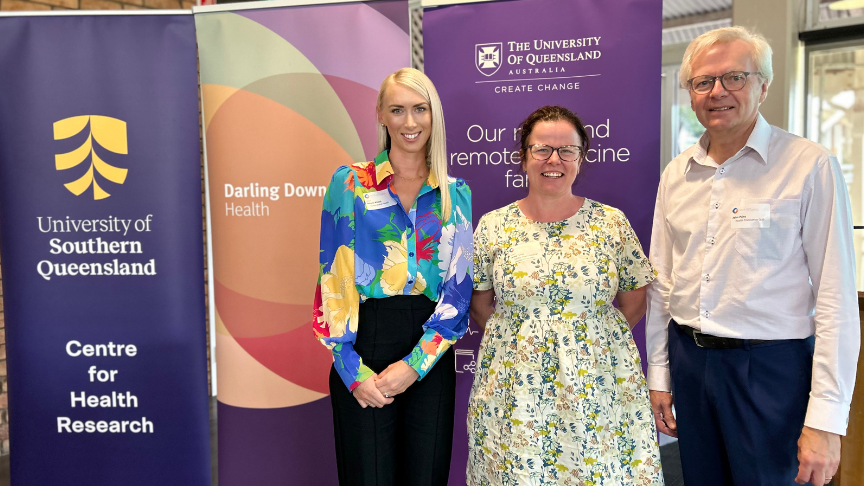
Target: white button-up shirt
point(789, 277)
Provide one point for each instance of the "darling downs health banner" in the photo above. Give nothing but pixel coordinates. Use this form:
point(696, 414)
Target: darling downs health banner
point(101, 237)
point(289, 95)
point(494, 63)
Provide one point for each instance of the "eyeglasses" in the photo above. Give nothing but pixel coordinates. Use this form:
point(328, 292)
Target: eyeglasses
point(568, 153)
point(731, 81)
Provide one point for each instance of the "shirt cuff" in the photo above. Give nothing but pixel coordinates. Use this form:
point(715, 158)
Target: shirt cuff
point(426, 353)
point(659, 378)
point(363, 374)
point(827, 416)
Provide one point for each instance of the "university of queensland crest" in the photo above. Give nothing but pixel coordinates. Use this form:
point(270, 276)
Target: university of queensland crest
point(487, 57)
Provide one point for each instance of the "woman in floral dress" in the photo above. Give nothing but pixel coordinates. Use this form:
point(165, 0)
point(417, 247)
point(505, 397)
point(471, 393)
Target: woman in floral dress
point(559, 397)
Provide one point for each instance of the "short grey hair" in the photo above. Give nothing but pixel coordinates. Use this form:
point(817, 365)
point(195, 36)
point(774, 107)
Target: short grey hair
point(761, 51)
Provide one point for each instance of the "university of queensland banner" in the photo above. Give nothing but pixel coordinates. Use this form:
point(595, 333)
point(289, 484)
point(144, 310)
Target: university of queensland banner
point(289, 95)
point(101, 234)
point(494, 63)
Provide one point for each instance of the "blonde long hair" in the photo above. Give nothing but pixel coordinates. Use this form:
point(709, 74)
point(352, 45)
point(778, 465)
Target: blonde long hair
point(436, 146)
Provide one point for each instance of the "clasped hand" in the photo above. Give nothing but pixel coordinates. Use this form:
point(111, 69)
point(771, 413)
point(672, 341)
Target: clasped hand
point(379, 389)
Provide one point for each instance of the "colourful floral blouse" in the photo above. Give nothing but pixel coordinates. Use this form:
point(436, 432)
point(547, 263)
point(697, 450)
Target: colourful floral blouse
point(371, 247)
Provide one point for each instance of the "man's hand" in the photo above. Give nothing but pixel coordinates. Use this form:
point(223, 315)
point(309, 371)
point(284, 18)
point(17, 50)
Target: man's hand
point(661, 406)
point(367, 394)
point(818, 456)
point(396, 379)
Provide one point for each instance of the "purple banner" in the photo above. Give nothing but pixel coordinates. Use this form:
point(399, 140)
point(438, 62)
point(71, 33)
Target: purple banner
point(494, 63)
point(100, 213)
point(289, 96)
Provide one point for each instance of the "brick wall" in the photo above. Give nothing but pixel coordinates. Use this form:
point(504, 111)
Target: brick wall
point(85, 5)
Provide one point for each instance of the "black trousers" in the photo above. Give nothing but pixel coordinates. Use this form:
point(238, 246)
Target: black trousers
point(408, 442)
point(739, 411)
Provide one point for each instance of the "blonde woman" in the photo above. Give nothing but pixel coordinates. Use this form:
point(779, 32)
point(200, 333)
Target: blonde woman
point(393, 294)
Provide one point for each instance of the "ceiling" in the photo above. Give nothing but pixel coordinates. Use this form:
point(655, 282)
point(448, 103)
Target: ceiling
point(673, 9)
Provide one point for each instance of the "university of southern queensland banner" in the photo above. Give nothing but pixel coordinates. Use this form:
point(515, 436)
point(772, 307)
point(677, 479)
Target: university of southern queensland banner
point(100, 219)
point(289, 95)
point(494, 63)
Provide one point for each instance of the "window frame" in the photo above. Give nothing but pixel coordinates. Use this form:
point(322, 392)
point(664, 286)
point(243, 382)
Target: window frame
point(850, 42)
point(812, 21)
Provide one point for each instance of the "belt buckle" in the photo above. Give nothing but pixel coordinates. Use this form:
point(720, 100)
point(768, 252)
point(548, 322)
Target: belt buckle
point(696, 338)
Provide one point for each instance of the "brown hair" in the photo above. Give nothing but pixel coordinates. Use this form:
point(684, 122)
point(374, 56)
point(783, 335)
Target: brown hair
point(551, 113)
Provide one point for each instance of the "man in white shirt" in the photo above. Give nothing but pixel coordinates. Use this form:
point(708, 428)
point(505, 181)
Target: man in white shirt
point(753, 323)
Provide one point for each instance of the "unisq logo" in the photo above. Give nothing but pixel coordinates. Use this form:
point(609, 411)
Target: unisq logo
point(106, 132)
point(487, 58)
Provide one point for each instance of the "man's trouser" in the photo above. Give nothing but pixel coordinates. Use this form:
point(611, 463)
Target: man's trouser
point(739, 410)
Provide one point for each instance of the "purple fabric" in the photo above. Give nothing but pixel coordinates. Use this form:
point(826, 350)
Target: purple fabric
point(393, 11)
point(292, 445)
point(353, 30)
point(354, 46)
point(359, 101)
point(141, 70)
point(622, 86)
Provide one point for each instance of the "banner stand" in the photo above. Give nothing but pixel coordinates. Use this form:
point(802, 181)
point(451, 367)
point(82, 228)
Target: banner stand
point(100, 229)
point(289, 93)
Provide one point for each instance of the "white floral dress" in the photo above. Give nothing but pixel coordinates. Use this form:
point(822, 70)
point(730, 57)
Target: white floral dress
point(559, 397)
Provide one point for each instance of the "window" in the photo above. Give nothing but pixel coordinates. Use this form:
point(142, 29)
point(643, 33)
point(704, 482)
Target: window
point(835, 118)
point(834, 13)
point(681, 128)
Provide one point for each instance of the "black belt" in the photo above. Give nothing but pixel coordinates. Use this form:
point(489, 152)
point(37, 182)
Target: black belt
point(717, 342)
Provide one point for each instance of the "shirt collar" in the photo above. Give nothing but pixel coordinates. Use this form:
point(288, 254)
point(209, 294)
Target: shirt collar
point(384, 169)
point(700, 152)
point(760, 138)
point(758, 141)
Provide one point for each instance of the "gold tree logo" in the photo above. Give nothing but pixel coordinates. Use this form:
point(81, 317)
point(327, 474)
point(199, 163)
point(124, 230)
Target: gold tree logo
point(109, 133)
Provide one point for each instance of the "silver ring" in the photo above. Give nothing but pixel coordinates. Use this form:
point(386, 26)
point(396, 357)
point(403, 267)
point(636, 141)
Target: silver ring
point(386, 395)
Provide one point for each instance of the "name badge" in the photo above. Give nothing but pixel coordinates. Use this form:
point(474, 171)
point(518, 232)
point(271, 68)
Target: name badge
point(751, 216)
point(525, 251)
point(378, 200)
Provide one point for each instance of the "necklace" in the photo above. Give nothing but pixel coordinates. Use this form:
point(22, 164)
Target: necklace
point(411, 178)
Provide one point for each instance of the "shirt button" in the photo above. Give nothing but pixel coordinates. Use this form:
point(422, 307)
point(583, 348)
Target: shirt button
point(716, 205)
point(711, 240)
point(706, 314)
point(707, 277)
point(411, 254)
point(722, 170)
